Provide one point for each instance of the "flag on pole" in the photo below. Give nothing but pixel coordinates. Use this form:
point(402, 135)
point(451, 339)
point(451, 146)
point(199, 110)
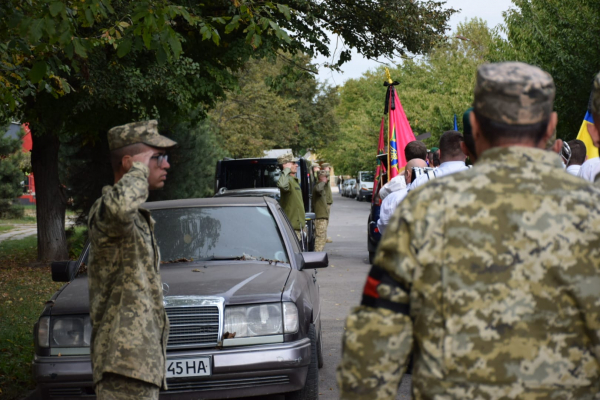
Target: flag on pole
point(455, 123)
point(584, 136)
point(400, 132)
point(380, 149)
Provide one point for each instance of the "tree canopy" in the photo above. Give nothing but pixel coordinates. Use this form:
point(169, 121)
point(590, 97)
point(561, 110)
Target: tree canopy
point(432, 89)
point(563, 38)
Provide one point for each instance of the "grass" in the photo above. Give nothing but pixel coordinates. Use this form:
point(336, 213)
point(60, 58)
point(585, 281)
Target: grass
point(23, 292)
point(25, 220)
point(4, 228)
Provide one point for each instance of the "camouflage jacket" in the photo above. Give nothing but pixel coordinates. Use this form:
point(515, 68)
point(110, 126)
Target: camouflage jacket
point(491, 277)
point(130, 325)
point(291, 199)
point(320, 200)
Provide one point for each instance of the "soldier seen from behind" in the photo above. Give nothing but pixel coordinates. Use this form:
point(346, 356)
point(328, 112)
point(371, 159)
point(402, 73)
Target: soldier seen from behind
point(291, 193)
point(488, 276)
point(319, 196)
point(130, 325)
point(327, 168)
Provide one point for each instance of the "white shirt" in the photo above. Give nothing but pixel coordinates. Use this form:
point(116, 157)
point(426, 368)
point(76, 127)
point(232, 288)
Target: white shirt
point(388, 206)
point(589, 169)
point(446, 168)
point(397, 183)
point(574, 169)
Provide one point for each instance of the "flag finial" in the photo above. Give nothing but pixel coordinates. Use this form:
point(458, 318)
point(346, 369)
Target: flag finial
point(388, 76)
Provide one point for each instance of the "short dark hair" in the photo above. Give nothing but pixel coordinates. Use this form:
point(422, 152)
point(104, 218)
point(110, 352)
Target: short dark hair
point(415, 149)
point(436, 158)
point(116, 156)
point(450, 144)
point(497, 132)
point(578, 152)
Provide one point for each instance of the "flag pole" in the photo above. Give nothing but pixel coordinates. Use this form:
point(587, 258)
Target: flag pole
point(390, 82)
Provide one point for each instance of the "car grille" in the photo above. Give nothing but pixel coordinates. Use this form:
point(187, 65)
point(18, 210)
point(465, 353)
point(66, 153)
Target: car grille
point(227, 384)
point(193, 327)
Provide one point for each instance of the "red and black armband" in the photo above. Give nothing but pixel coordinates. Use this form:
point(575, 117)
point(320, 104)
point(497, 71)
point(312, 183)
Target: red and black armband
point(382, 291)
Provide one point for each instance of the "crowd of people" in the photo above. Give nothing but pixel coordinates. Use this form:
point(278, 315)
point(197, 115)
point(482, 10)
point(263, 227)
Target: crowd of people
point(488, 276)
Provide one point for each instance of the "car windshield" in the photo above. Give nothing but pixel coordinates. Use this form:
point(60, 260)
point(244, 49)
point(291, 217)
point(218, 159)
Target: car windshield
point(217, 233)
point(367, 177)
point(247, 175)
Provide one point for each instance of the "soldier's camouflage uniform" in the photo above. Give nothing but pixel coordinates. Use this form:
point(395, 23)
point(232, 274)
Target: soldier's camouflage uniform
point(130, 326)
point(129, 323)
point(322, 215)
point(291, 196)
point(491, 278)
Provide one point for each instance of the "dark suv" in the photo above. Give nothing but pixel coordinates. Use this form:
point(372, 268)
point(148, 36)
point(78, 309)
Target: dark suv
point(257, 177)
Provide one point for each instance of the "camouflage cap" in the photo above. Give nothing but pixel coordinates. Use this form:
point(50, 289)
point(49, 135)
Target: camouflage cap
point(325, 165)
point(286, 158)
point(514, 93)
point(323, 173)
point(138, 132)
point(596, 96)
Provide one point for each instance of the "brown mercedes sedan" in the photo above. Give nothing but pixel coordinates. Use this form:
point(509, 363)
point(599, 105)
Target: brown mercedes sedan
point(241, 296)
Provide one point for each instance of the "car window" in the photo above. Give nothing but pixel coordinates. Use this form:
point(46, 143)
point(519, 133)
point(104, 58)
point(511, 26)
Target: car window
point(208, 233)
point(367, 177)
point(247, 175)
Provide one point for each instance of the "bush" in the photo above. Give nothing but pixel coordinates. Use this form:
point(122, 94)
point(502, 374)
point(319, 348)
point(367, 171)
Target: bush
point(76, 238)
point(8, 210)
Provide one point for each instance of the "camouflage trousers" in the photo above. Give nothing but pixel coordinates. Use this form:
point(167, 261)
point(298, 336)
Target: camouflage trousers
point(118, 387)
point(299, 234)
point(321, 233)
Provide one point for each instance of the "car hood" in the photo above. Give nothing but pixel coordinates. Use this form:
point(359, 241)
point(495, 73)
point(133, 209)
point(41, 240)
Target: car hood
point(239, 282)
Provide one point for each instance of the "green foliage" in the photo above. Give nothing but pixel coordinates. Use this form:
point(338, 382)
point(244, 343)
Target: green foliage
point(563, 38)
point(432, 89)
point(11, 175)
point(76, 239)
point(193, 162)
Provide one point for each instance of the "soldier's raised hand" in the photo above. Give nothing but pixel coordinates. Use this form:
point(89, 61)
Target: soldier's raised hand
point(143, 157)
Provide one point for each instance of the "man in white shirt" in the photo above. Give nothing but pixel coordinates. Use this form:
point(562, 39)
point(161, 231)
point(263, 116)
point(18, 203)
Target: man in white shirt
point(578, 156)
point(413, 150)
point(389, 204)
point(452, 158)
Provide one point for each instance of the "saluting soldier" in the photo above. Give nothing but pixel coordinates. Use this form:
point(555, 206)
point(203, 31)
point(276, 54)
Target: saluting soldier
point(130, 325)
point(327, 168)
point(489, 276)
point(291, 193)
point(322, 214)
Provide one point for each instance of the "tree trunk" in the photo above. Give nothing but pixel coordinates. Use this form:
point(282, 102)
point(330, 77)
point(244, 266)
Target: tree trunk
point(50, 199)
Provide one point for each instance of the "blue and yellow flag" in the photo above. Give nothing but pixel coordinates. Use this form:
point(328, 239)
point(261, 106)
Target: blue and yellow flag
point(584, 136)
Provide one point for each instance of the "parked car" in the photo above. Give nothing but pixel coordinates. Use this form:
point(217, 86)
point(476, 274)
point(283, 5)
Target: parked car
point(241, 296)
point(349, 188)
point(364, 185)
point(258, 177)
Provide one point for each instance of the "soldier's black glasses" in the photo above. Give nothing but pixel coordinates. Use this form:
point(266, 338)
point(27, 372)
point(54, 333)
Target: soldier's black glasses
point(160, 158)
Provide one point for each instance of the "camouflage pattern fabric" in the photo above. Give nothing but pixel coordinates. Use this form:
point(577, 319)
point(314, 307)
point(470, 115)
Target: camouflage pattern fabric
point(298, 234)
point(116, 387)
point(321, 233)
point(130, 325)
point(291, 199)
point(514, 93)
point(320, 200)
point(328, 193)
point(490, 276)
point(286, 158)
point(138, 132)
point(596, 96)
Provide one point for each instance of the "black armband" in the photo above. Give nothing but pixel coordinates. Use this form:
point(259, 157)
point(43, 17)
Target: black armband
point(371, 297)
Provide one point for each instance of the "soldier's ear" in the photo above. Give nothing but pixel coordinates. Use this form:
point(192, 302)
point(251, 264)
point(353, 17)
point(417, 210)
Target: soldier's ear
point(126, 163)
point(550, 129)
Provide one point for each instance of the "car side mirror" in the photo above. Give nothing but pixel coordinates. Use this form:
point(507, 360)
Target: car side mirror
point(315, 259)
point(62, 271)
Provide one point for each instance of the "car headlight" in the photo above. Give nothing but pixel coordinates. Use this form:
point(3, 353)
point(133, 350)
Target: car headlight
point(71, 331)
point(261, 319)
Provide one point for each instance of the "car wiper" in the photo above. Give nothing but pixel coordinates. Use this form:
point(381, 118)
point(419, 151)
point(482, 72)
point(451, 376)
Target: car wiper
point(244, 257)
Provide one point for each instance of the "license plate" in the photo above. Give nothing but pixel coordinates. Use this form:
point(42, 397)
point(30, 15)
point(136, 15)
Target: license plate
point(182, 367)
